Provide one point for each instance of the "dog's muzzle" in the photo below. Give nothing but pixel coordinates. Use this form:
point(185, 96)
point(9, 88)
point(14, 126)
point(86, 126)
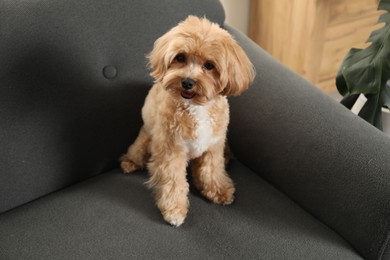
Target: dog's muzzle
point(187, 84)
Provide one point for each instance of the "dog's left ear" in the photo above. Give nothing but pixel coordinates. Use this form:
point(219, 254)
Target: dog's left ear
point(239, 71)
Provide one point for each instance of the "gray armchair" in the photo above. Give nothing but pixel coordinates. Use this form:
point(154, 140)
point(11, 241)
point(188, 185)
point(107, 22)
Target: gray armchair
point(312, 179)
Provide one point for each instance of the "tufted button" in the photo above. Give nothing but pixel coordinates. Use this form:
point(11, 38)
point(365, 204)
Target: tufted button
point(110, 72)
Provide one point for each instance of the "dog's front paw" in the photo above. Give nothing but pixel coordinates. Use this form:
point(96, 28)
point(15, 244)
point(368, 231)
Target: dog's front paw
point(128, 166)
point(175, 217)
point(220, 194)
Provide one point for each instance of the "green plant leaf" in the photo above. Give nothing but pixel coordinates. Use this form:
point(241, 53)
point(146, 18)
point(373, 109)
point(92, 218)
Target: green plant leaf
point(341, 84)
point(372, 111)
point(349, 100)
point(361, 71)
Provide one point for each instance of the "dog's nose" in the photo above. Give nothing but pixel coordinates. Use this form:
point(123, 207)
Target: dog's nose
point(188, 83)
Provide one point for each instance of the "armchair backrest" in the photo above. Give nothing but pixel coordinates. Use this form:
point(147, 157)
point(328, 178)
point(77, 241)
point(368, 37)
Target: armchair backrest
point(73, 77)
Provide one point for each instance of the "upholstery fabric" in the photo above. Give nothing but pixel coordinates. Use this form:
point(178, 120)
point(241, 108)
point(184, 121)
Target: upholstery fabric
point(113, 216)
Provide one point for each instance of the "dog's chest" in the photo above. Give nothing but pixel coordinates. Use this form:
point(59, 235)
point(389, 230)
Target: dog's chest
point(202, 133)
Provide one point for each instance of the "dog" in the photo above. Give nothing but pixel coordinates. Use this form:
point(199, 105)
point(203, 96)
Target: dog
point(195, 65)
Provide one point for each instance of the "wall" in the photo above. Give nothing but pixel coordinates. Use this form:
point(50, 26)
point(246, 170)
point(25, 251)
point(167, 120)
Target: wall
point(237, 13)
point(312, 37)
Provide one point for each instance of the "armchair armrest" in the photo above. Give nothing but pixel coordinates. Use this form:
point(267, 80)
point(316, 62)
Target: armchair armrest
point(321, 155)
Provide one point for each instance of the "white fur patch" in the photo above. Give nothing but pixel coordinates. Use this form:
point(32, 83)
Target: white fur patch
point(204, 131)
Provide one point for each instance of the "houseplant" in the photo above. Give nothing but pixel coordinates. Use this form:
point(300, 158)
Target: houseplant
point(367, 72)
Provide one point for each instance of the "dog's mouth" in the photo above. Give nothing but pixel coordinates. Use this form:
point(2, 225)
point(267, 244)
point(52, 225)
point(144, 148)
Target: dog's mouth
point(187, 94)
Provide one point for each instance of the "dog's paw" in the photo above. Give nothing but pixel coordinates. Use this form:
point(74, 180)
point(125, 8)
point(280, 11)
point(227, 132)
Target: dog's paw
point(175, 220)
point(175, 217)
point(128, 166)
point(220, 195)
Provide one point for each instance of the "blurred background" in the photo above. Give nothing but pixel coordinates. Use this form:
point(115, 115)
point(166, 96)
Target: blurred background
point(311, 37)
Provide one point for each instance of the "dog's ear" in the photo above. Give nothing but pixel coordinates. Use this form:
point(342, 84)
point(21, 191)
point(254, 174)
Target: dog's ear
point(158, 58)
point(239, 71)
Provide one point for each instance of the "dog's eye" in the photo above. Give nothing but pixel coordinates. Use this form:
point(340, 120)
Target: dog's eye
point(208, 66)
point(180, 58)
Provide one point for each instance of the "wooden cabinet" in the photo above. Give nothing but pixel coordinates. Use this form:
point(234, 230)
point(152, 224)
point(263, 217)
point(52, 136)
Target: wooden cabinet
point(312, 37)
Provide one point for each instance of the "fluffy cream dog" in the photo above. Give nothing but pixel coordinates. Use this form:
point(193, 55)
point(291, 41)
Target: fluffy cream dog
point(186, 113)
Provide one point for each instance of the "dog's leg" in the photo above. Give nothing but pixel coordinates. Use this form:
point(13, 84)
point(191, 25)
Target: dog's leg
point(137, 154)
point(228, 155)
point(168, 180)
point(211, 178)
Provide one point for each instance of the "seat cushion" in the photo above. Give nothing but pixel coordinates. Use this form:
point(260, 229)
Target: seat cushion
point(113, 216)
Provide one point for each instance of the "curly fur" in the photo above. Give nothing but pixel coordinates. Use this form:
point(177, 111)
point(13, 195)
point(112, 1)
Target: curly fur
point(186, 122)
